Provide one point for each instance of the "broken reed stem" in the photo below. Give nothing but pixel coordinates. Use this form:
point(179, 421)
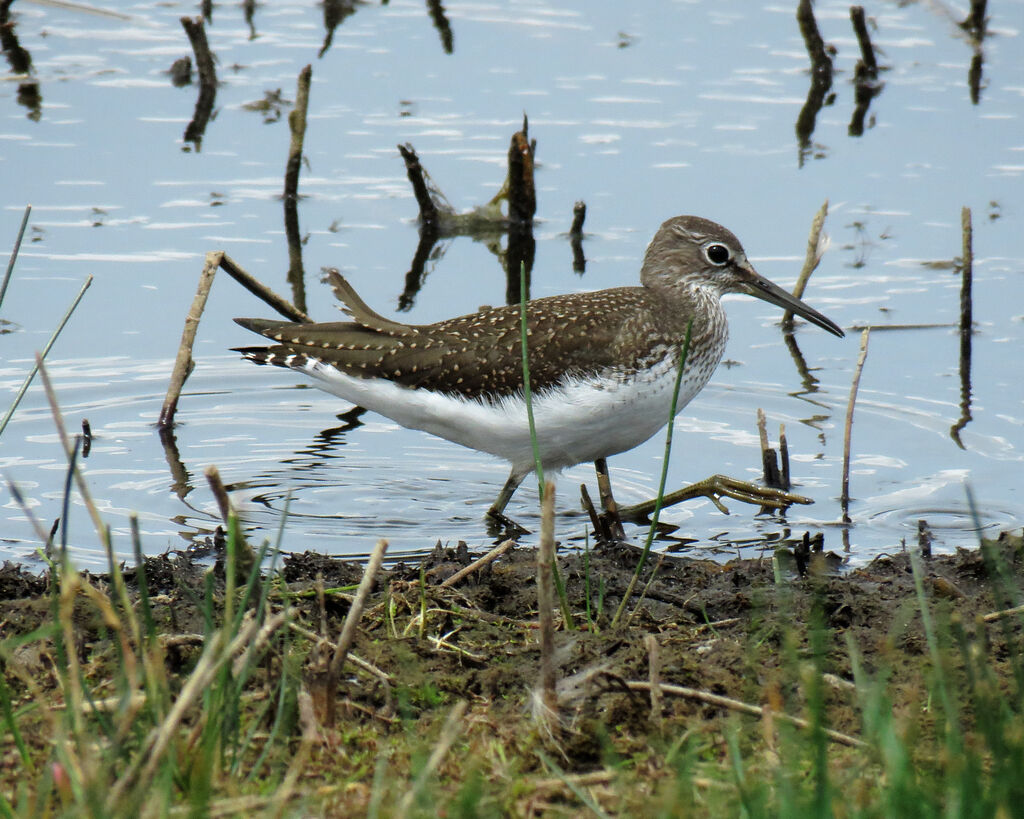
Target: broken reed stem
point(261, 291)
point(14, 253)
point(479, 563)
point(867, 51)
point(183, 363)
point(297, 127)
point(579, 214)
point(742, 707)
point(196, 32)
point(40, 357)
point(546, 605)
point(844, 499)
point(613, 523)
point(348, 629)
point(220, 493)
point(966, 324)
point(414, 170)
point(967, 272)
point(449, 731)
point(811, 260)
point(522, 193)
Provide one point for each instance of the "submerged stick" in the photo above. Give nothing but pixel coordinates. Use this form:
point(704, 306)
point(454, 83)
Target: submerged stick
point(348, 629)
point(867, 66)
point(14, 253)
point(844, 500)
point(42, 356)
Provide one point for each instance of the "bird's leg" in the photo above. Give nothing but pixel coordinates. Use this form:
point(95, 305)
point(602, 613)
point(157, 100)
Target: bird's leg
point(498, 523)
point(608, 504)
point(714, 489)
point(505, 495)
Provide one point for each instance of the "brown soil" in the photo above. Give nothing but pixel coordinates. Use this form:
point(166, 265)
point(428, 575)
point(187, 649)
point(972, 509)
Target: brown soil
point(742, 630)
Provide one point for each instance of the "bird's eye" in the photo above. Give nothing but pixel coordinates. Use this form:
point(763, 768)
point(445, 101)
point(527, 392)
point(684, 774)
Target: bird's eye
point(717, 254)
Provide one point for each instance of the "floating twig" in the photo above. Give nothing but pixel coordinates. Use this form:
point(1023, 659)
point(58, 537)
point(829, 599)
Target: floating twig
point(844, 499)
point(42, 356)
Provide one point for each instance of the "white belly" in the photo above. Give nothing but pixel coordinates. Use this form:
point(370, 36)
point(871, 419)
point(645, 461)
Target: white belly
point(586, 420)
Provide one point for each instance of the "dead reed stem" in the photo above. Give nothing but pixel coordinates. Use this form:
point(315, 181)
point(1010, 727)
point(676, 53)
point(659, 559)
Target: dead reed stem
point(479, 563)
point(811, 260)
point(848, 430)
point(546, 606)
point(184, 364)
point(348, 629)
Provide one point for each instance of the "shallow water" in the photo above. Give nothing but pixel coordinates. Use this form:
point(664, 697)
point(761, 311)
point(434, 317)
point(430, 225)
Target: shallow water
point(643, 112)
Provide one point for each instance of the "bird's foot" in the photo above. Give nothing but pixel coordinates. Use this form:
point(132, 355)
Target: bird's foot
point(501, 526)
point(714, 489)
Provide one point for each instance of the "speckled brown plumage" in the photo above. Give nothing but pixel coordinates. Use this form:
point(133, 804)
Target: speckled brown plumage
point(479, 355)
point(602, 364)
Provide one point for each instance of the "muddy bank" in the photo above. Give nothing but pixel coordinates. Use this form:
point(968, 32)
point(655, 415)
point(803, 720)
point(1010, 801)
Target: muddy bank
point(748, 631)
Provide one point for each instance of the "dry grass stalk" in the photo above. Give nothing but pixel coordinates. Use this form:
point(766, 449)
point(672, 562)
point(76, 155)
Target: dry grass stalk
point(348, 629)
point(848, 429)
point(479, 563)
point(743, 707)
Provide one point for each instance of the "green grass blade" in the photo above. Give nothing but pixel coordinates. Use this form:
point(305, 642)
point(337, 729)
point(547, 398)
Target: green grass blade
point(664, 477)
point(523, 335)
point(42, 356)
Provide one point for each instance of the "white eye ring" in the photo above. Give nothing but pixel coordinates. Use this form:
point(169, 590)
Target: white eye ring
point(718, 254)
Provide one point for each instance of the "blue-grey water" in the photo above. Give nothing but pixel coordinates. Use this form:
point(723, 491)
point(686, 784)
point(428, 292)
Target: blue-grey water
point(644, 111)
